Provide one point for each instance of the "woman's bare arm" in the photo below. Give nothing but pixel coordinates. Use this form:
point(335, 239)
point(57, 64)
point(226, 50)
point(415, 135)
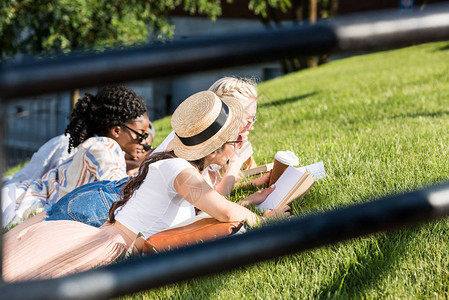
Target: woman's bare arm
point(192, 187)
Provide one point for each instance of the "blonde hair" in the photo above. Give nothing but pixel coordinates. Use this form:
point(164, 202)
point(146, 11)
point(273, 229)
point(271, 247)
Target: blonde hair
point(241, 89)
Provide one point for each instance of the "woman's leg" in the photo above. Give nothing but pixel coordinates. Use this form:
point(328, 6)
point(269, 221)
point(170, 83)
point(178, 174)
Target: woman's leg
point(58, 248)
point(31, 221)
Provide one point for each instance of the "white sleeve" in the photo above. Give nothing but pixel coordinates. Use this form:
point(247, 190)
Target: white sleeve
point(163, 146)
point(171, 168)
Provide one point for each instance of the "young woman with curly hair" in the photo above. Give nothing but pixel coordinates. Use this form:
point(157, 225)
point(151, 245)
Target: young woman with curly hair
point(102, 128)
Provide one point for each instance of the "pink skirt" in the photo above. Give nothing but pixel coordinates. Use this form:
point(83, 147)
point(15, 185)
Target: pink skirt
point(56, 248)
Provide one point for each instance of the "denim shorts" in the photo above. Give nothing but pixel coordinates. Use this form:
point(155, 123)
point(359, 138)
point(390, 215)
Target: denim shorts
point(89, 203)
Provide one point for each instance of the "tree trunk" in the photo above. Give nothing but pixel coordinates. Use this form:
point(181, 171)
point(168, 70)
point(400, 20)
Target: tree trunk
point(312, 61)
point(313, 11)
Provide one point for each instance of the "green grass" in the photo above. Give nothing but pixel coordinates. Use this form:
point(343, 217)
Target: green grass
point(12, 170)
point(380, 123)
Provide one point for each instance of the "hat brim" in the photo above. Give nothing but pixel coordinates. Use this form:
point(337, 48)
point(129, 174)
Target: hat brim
point(229, 129)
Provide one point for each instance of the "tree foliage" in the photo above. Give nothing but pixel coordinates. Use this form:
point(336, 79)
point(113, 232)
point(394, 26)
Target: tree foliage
point(36, 26)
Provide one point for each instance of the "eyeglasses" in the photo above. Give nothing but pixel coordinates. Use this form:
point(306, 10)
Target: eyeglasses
point(251, 122)
point(233, 142)
point(141, 137)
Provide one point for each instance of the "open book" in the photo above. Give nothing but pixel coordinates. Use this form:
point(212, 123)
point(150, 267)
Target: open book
point(293, 184)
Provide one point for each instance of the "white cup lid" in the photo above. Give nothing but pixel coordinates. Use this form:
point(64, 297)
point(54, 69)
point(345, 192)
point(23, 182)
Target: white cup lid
point(287, 158)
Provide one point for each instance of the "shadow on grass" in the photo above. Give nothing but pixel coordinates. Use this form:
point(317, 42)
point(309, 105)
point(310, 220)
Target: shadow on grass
point(444, 48)
point(288, 100)
point(366, 118)
point(372, 263)
point(425, 115)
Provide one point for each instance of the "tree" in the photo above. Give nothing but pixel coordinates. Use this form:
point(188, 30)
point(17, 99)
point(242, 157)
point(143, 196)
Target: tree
point(37, 26)
point(303, 11)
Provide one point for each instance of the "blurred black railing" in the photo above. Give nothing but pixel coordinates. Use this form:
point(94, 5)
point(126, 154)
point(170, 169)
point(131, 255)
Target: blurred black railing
point(359, 32)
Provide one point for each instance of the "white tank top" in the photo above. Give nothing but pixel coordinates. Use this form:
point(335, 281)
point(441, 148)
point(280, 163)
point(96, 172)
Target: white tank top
point(207, 173)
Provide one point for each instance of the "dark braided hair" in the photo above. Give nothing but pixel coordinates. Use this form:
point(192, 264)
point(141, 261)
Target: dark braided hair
point(135, 182)
point(112, 106)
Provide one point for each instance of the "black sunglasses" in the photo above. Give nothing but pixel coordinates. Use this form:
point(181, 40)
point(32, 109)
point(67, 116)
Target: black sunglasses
point(140, 136)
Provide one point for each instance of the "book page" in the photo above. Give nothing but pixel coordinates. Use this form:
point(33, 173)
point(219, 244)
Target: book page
point(299, 190)
point(283, 186)
point(316, 170)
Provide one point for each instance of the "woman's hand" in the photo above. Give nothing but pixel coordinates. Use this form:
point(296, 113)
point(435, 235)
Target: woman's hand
point(281, 213)
point(264, 180)
point(191, 185)
point(242, 152)
point(258, 197)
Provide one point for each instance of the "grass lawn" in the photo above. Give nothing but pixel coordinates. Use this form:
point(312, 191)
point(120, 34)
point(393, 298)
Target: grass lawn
point(380, 123)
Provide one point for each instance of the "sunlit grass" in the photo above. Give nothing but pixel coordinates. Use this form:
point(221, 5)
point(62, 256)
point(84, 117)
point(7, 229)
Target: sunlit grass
point(379, 123)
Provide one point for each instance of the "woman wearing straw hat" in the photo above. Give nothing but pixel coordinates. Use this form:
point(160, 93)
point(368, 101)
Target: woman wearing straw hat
point(165, 192)
point(244, 91)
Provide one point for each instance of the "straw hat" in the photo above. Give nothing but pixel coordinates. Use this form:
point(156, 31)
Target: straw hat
point(203, 123)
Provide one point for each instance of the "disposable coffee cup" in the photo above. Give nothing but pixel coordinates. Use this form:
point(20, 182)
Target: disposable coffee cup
point(282, 160)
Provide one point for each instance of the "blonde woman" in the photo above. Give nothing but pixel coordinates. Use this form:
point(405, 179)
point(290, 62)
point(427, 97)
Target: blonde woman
point(244, 91)
point(165, 192)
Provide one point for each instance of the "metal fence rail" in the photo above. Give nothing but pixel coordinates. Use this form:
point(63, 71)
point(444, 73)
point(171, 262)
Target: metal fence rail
point(348, 34)
point(229, 253)
point(360, 32)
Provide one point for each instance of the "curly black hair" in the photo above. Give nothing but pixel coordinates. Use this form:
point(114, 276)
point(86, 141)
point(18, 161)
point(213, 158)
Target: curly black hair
point(95, 115)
